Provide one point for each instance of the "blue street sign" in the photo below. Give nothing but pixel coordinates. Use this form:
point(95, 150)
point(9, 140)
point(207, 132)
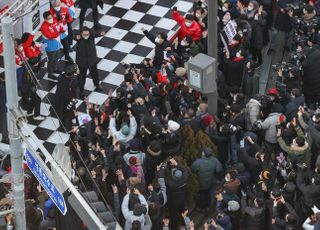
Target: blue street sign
point(46, 183)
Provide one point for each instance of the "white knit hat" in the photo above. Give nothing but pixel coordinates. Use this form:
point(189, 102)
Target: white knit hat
point(173, 125)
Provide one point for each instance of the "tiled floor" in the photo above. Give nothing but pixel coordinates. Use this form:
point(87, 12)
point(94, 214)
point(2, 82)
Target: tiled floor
point(124, 41)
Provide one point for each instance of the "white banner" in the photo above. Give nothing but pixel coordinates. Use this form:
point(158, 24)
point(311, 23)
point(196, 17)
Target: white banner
point(230, 30)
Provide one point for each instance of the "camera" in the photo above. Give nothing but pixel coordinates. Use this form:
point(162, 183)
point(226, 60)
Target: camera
point(164, 165)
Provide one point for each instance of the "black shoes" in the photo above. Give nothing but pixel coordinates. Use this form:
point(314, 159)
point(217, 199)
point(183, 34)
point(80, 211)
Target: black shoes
point(98, 88)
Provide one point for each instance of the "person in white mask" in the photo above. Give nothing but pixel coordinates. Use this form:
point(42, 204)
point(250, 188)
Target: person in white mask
point(86, 57)
point(51, 30)
point(161, 43)
point(189, 26)
point(62, 15)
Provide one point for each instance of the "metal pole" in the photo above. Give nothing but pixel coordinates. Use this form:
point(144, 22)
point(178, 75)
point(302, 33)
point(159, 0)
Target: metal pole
point(15, 141)
point(212, 29)
point(213, 50)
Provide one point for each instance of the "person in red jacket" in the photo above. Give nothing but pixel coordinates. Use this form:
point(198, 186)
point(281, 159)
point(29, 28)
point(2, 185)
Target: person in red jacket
point(62, 15)
point(51, 30)
point(189, 27)
point(70, 5)
point(31, 49)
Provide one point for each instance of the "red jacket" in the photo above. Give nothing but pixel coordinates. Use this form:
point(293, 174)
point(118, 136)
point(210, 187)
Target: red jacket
point(65, 16)
point(68, 3)
point(20, 57)
point(51, 31)
point(194, 30)
point(31, 51)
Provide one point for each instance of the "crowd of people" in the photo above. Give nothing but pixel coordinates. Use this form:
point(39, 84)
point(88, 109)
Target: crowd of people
point(155, 154)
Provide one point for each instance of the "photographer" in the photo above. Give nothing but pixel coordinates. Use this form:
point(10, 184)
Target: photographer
point(299, 151)
point(289, 78)
point(255, 215)
point(283, 214)
point(176, 183)
point(139, 212)
point(296, 100)
point(312, 128)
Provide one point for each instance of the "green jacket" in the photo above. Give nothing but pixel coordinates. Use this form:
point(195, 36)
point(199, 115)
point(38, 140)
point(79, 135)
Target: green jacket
point(207, 168)
point(296, 154)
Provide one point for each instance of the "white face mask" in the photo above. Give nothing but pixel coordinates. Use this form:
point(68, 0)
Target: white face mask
point(20, 49)
point(238, 54)
point(188, 24)
point(50, 21)
point(256, 17)
point(226, 179)
point(250, 8)
point(224, 9)
point(183, 43)
point(157, 40)
point(58, 8)
point(86, 37)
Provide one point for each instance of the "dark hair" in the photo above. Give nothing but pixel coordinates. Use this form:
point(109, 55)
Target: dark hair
point(189, 17)
point(260, 201)
point(296, 92)
point(233, 174)
point(136, 225)
point(46, 14)
point(291, 218)
point(163, 35)
point(85, 28)
point(154, 209)
point(300, 141)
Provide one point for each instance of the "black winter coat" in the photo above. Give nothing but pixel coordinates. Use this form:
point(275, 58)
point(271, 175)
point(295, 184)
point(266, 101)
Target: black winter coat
point(177, 189)
point(311, 78)
point(158, 52)
point(86, 52)
point(283, 22)
point(257, 32)
point(234, 72)
point(85, 4)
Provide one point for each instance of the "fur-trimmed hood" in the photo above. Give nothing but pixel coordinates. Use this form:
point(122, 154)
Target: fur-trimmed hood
point(298, 149)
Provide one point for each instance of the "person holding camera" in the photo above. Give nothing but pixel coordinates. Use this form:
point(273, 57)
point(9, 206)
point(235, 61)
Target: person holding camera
point(176, 183)
point(283, 214)
point(139, 212)
point(299, 151)
point(127, 132)
point(255, 215)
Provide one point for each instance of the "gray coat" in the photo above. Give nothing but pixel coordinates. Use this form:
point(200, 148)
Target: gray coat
point(252, 113)
point(269, 126)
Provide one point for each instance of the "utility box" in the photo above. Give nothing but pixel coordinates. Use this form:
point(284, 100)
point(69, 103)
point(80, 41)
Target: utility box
point(202, 73)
